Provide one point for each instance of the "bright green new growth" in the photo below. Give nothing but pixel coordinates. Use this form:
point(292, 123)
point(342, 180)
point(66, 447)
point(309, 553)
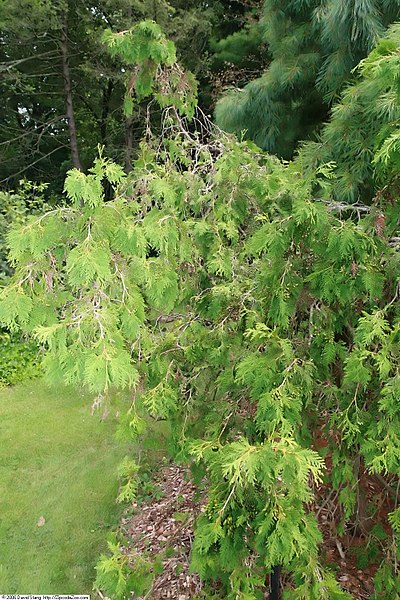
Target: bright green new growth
point(63, 290)
point(157, 72)
point(253, 316)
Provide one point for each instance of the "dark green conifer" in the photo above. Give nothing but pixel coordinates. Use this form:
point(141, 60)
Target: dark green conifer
point(361, 138)
point(314, 44)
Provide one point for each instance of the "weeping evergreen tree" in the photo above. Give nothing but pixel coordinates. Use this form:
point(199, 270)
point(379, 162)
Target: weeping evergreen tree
point(314, 44)
point(255, 318)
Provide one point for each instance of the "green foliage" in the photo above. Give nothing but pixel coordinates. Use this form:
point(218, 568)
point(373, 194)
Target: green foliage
point(251, 314)
point(15, 207)
point(127, 473)
point(314, 47)
point(19, 359)
point(72, 254)
point(387, 583)
point(239, 48)
point(157, 72)
point(119, 574)
point(362, 136)
point(147, 489)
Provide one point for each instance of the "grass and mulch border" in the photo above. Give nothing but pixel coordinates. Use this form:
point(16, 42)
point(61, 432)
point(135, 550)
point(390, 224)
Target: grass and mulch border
point(58, 484)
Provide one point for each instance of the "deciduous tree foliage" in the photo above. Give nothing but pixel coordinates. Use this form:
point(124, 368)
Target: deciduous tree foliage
point(314, 44)
point(40, 38)
point(253, 317)
point(15, 208)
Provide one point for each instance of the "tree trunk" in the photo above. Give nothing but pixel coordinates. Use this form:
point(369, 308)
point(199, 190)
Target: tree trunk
point(68, 96)
point(362, 520)
point(275, 583)
point(107, 91)
point(128, 143)
point(128, 120)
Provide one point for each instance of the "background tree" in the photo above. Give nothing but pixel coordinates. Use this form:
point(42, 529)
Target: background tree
point(362, 132)
point(40, 39)
point(314, 46)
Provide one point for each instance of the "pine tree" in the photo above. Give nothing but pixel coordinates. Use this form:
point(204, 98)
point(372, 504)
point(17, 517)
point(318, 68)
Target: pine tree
point(314, 47)
point(362, 136)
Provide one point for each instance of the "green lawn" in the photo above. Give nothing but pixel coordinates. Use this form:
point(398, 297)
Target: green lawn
point(56, 462)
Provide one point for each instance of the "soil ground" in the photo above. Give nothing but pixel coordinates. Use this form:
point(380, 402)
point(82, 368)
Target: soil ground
point(164, 526)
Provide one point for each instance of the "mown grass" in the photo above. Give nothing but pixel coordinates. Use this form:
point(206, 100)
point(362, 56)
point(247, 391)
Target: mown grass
point(56, 462)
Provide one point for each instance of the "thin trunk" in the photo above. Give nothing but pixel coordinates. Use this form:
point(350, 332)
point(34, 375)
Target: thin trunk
point(362, 520)
point(275, 583)
point(104, 113)
point(128, 143)
point(128, 120)
point(68, 96)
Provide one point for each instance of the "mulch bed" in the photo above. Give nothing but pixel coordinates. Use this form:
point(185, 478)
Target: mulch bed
point(168, 523)
point(165, 527)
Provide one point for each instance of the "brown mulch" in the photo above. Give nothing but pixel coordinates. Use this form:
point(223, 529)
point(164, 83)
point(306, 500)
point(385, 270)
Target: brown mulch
point(164, 524)
point(165, 527)
point(343, 550)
